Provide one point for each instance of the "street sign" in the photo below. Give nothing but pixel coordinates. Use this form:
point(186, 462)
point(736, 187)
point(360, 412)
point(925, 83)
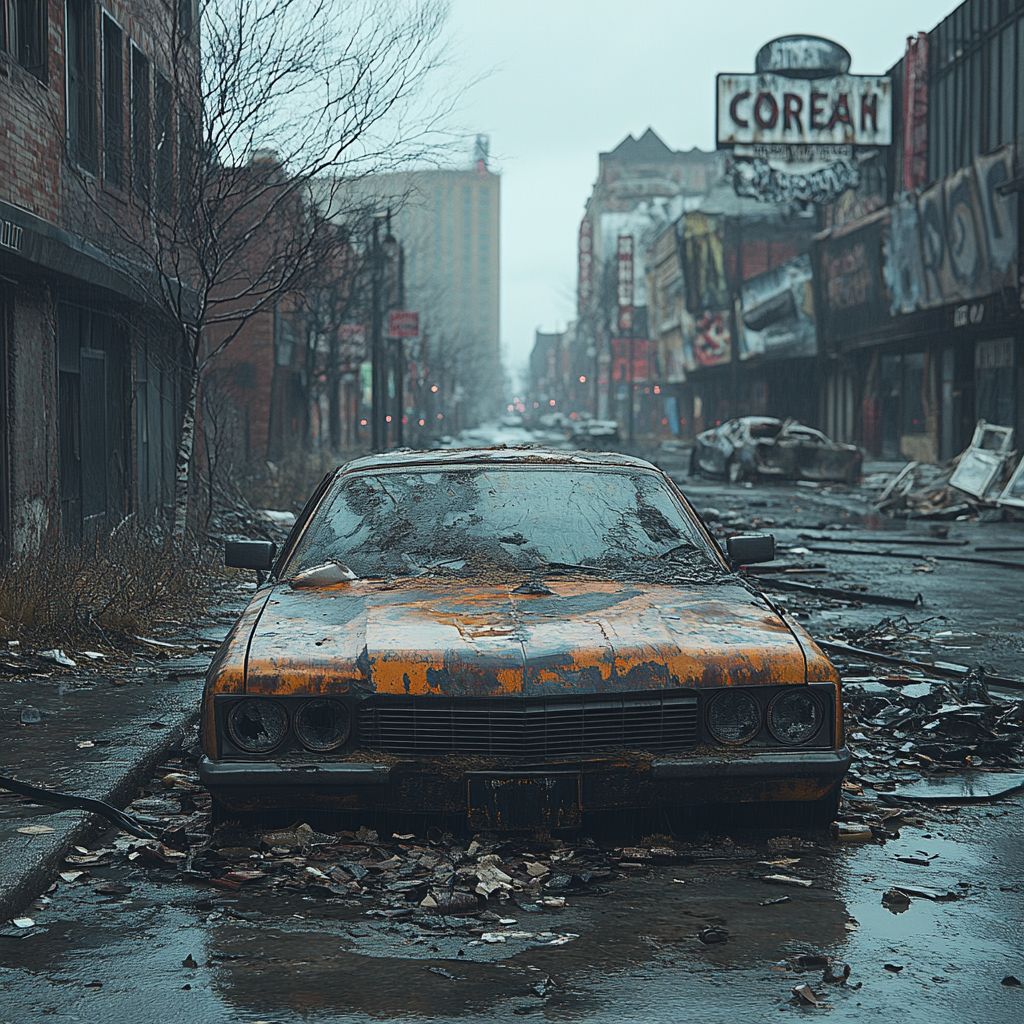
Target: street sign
point(403, 324)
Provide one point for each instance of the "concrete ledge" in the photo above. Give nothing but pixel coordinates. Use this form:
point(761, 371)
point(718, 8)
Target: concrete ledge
point(28, 864)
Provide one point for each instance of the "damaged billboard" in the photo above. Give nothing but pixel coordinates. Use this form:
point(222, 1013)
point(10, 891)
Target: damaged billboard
point(707, 339)
point(777, 313)
point(957, 240)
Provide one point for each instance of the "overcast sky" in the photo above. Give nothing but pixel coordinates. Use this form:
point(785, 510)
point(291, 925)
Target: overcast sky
point(571, 78)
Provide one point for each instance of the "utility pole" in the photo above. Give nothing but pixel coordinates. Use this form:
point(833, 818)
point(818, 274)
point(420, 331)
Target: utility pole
point(399, 366)
point(378, 362)
point(630, 386)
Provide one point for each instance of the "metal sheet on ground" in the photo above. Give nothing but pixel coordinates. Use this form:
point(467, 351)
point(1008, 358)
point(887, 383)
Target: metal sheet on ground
point(962, 788)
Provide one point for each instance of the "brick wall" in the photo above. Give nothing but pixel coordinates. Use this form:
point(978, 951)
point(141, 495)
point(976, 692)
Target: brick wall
point(34, 172)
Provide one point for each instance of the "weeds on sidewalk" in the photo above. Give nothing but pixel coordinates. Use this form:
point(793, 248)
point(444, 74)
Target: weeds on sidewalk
point(109, 588)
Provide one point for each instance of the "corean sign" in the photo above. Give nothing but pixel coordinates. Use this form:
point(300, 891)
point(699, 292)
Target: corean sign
point(403, 324)
point(850, 110)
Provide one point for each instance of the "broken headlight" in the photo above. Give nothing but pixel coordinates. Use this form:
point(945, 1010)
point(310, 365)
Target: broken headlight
point(257, 725)
point(322, 724)
point(794, 716)
point(733, 716)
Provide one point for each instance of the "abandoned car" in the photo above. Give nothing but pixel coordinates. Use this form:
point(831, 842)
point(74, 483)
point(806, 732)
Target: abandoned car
point(760, 446)
point(513, 638)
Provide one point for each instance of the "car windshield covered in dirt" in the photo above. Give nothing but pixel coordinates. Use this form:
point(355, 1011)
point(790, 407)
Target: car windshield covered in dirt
point(464, 520)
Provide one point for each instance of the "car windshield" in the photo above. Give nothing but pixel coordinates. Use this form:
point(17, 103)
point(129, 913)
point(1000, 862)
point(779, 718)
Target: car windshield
point(461, 519)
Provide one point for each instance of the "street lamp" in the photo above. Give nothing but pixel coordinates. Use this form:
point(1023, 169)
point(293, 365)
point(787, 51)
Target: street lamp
point(382, 255)
point(378, 392)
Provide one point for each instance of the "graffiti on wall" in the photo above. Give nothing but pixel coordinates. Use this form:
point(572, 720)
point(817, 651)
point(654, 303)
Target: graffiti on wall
point(757, 179)
point(711, 341)
point(956, 241)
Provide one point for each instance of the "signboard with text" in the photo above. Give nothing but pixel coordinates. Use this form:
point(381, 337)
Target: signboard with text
point(625, 283)
point(769, 109)
point(584, 284)
point(403, 324)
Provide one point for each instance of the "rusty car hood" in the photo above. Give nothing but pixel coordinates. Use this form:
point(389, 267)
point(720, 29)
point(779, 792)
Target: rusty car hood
point(452, 637)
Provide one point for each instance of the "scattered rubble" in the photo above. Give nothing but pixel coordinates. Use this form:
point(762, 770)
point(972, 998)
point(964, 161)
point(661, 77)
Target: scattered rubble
point(987, 475)
point(918, 740)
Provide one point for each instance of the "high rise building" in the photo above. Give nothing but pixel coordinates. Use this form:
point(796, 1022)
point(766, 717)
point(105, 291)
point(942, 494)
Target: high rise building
point(448, 224)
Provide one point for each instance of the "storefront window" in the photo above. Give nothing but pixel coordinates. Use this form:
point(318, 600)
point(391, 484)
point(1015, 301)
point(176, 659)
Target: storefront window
point(993, 367)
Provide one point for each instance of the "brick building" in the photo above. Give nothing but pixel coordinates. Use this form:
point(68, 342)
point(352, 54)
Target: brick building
point(91, 377)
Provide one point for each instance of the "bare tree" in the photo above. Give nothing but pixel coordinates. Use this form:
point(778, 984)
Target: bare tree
point(254, 103)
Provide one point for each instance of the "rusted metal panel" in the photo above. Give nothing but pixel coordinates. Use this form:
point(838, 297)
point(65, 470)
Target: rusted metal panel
point(423, 638)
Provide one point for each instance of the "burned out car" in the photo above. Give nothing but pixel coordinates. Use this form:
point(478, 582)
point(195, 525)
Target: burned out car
point(761, 446)
point(513, 638)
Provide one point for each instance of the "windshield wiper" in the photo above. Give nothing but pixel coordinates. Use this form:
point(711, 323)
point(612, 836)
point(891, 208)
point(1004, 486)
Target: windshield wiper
point(563, 567)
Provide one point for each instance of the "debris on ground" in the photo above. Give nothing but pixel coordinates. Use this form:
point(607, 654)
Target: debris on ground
point(804, 994)
point(984, 476)
point(918, 739)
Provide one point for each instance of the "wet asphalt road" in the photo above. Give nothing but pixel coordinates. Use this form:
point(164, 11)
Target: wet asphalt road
point(130, 955)
point(123, 956)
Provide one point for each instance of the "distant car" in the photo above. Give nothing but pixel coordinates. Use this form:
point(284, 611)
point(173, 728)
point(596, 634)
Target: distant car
point(513, 638)
point(444, 441)
point(512, 419)
point(754, 446)
point(596, 429)
point(554, 421)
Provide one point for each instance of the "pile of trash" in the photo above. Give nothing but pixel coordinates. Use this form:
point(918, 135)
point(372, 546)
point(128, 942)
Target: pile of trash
point(988, 475)
point(918, 738)
point(909, 722)
point(439, 873)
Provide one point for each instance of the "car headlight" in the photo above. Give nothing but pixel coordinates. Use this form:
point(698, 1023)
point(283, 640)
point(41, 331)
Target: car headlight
point(733, 716)
point(322, 724)
point(794, 716)
point(257, 724)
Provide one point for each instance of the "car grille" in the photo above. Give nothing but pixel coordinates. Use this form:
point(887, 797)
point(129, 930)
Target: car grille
point(529, 727)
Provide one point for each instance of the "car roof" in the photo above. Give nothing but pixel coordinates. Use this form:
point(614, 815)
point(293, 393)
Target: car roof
point(500, 456)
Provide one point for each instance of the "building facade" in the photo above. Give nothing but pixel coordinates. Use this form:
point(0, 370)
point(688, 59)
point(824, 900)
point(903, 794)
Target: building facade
point(448, 225)
point(731, 305)
point(921, 302)
point(642, 186)
point(91, 377)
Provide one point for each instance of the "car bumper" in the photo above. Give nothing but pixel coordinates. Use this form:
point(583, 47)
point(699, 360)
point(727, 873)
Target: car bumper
point(448, 788)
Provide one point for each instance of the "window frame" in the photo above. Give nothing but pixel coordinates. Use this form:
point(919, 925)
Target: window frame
point(164, 138)
point(141, 125)
point(113, 163)
point(11, 31)
point(80, 89)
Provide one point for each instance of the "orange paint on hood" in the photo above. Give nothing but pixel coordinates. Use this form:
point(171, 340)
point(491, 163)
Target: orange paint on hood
point(451, 637)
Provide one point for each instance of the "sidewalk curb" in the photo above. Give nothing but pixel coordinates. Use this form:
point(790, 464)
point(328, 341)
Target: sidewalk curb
point(28, 864)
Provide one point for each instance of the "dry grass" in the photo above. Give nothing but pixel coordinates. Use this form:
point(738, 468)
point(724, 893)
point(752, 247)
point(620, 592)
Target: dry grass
point(109, 589)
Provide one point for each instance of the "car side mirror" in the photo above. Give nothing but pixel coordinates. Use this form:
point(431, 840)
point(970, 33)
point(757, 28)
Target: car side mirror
point(745, 549)
point(250, 554)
